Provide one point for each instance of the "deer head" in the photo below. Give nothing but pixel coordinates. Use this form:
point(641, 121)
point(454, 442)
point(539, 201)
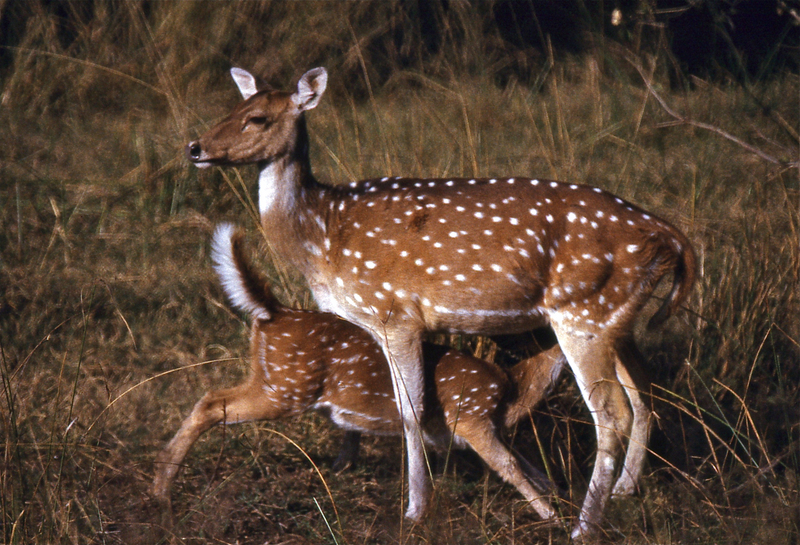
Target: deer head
point(263, 127)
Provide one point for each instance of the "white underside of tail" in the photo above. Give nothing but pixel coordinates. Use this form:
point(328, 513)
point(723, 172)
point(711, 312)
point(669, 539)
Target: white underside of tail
point(229, 274)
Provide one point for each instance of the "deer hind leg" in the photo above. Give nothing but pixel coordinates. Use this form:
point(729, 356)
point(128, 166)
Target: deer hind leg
point(482, 438)
point(593, 361)
point(404, 354)
point(634, 381)
point(231, 405)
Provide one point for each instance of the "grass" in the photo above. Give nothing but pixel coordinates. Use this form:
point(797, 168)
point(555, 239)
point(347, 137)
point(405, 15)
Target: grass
point(112, 324)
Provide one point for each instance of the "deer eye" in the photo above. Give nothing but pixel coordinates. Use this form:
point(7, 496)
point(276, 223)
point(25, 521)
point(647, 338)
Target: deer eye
point(258, 120)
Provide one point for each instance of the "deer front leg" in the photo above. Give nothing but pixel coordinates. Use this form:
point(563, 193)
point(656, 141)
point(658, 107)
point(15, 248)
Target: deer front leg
point(404, 354)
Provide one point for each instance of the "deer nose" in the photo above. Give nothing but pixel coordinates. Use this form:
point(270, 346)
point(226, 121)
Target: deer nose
point(194, 151)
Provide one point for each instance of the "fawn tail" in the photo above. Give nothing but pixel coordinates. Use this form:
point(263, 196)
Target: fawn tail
point(245, 288)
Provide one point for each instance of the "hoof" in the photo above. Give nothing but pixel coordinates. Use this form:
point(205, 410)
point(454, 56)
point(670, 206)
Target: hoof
point(415, 513)
point(624, 488)
point(585, 532)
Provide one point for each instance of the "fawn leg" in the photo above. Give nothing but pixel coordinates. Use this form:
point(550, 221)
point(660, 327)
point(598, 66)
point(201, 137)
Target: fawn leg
point(481, 436)
point(231, 405)
point(348, 454)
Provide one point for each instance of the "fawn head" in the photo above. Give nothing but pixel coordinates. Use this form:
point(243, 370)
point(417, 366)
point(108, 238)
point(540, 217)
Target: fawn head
point(266, 125)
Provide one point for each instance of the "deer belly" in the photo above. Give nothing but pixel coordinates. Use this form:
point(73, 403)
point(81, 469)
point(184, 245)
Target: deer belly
point(501, 306)
point(494, 309)
point(481, 317)
point(434, 435)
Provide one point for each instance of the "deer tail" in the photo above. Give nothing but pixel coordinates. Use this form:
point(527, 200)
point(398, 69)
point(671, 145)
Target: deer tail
point(684, 273)
point(245, 288)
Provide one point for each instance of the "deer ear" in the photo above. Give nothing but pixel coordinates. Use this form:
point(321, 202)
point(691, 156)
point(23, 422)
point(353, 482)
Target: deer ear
point(245, 82)
point(310, 89)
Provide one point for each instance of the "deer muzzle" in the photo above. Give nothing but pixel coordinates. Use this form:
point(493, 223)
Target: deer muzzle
point(196, 154)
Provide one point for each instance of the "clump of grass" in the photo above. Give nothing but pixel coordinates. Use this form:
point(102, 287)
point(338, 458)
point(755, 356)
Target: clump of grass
point(107, 285)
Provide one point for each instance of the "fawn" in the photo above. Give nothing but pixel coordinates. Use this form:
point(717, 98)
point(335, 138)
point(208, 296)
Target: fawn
point(302, 360)
point(402, 256)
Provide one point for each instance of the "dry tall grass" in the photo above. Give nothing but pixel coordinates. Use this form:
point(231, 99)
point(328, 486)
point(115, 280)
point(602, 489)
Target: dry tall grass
point(112, 324)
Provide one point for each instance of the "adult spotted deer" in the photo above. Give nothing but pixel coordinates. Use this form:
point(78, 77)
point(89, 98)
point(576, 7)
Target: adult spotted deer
point(302, 360)
point(401, 256)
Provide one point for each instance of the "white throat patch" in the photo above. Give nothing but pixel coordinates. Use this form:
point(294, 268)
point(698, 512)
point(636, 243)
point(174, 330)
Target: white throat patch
point(272, 180)
point(268, 181)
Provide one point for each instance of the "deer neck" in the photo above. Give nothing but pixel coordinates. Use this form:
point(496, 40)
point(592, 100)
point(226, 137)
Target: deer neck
point(288, 202)
point(282, 176)
point(533, 378)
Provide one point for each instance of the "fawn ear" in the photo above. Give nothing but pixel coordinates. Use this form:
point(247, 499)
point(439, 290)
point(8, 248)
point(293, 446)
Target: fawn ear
point(245, 81)
point(310, 89)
